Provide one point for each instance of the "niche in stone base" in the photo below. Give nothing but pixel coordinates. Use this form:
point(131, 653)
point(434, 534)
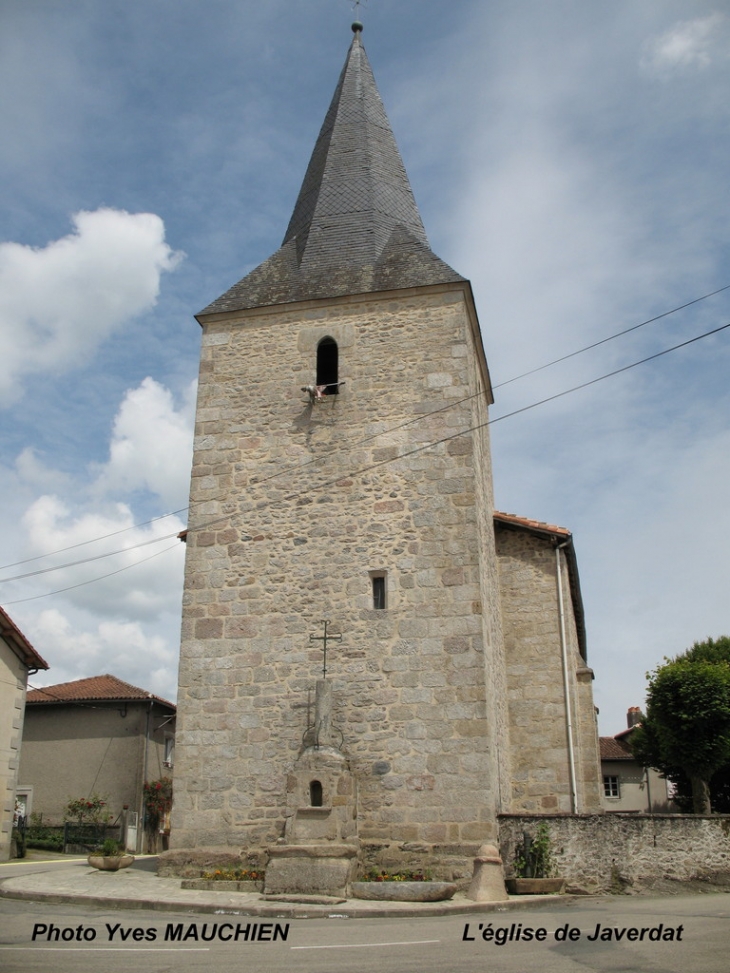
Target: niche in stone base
point(321, 799)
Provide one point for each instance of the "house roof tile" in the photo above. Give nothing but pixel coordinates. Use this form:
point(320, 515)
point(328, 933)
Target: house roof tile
point(535, 525)
point(93, 689)
point(614, 749)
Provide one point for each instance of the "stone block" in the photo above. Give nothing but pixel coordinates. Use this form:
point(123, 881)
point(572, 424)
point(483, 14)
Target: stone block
point(318, 870)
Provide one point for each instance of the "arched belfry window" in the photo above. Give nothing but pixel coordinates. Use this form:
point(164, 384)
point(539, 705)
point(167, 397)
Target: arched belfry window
point(327, 366)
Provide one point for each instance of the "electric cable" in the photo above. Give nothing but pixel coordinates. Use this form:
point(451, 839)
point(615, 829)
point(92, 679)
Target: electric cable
point(362, 470)
point(59, 591)
point(618, 334)
point(363, 441)
point(87, 560)
point(515, 412)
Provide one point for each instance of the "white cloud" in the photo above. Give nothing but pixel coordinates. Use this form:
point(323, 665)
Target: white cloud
point(689, 45)
point(123, 649)
point(151, 446)
point(117, 613)
point(57, 304)
point(134, 583)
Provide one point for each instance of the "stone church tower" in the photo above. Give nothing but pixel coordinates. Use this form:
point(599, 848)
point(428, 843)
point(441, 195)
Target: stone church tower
point(342, 472)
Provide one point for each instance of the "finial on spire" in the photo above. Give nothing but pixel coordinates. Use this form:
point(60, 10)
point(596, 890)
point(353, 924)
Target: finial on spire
point(357, 23)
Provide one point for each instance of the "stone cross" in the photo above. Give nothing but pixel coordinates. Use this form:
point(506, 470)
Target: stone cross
point(355, 4)
point(324, 639)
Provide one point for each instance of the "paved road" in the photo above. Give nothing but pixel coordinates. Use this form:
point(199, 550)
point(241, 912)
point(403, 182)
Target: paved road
point(451, 944)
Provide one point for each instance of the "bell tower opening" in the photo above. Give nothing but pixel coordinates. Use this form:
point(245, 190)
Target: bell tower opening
point(327, 365)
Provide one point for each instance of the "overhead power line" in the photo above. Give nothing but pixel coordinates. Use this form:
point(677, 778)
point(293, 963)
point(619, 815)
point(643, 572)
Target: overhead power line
point(101, 577)
point(93, 540)
point(515, 412)
point(383, 432)
point(611, 337)
point(360, 442)
point(372, 466)
point(87, 560)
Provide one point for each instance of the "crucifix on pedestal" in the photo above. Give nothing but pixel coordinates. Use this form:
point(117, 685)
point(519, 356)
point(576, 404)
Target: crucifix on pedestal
point(324, 639)
point(323, 693)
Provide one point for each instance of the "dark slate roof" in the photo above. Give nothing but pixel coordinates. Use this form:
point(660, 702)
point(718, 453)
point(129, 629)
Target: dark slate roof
point(355, 227)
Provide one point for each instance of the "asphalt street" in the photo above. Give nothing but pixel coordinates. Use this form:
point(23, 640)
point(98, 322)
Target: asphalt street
point(681, 934)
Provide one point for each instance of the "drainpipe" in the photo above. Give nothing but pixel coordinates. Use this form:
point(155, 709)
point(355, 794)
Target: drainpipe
point(566, 681)
point(141, 824)
point(648, 791)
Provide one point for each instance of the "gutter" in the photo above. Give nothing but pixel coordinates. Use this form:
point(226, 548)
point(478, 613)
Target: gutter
point(566, 681)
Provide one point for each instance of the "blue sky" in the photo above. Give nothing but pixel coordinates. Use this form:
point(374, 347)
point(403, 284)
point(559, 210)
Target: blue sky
point(570, 159)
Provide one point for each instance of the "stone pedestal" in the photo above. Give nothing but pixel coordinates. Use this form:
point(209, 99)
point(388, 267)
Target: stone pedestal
point(320, 800)
point(487, 883)
point(321, 869)
point(318, 855)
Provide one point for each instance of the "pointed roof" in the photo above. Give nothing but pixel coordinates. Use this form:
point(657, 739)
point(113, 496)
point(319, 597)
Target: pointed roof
point(104, 688)
point(355, 227)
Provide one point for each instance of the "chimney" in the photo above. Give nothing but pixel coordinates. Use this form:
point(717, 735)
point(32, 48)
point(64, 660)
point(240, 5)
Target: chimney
point(633, 716)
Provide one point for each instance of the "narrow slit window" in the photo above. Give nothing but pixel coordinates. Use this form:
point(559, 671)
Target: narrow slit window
point(378, 582)
point(328, 366)
point(315, 794)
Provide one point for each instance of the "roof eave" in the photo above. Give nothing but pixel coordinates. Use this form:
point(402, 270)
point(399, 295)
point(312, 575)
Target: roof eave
point(100, 700)
point(19, 644)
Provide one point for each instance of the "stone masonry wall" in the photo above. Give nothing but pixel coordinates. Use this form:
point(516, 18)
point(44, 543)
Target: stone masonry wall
point(535, 684)
point(13, 680)
point(613, 852)
point(293, 508)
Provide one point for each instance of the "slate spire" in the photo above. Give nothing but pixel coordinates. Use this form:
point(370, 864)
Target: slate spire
point(355, 226)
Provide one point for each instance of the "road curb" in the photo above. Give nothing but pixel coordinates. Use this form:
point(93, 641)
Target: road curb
point(280, 910)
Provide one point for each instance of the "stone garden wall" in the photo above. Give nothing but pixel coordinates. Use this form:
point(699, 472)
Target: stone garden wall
point(615, 852)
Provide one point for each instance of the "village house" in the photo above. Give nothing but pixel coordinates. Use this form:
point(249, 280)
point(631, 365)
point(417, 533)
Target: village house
point(100, 736)
point(627, 786)
point(18, 661)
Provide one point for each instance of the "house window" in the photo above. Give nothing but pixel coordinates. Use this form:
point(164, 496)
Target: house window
point(23, 804)
point(169, 750)
point(379, 591)
point(611, 786)
point(327, 366)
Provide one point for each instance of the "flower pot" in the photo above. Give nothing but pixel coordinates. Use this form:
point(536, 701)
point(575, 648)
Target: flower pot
point(535, 886)
point(110, 863)
point(404, 891)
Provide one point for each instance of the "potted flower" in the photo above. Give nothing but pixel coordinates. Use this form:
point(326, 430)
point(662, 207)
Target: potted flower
point(533, 865)
point(110, 857)
point(157, 807)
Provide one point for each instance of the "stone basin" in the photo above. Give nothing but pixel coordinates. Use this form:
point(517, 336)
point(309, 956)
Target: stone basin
point(110, 863)
point(404, 891)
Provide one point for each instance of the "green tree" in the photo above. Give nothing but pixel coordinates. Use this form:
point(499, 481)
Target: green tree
point(711, 650)
point(687, 724)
